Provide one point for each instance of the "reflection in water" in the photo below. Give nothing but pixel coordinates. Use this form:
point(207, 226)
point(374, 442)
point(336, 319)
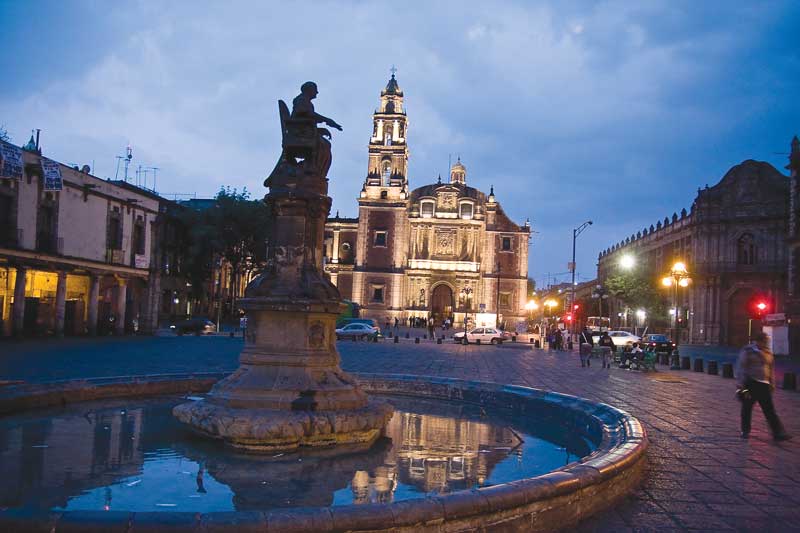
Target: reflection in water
point(132, 455)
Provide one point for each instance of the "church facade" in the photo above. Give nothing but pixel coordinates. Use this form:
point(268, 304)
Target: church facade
point(444, 250)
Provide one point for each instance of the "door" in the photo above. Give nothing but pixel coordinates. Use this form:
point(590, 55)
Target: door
point(738, 318)
point(441, 303)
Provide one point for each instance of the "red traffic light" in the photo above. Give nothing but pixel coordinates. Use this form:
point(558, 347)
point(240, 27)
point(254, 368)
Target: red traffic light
point(758, 307)
point(569, 318)
point(576, 307)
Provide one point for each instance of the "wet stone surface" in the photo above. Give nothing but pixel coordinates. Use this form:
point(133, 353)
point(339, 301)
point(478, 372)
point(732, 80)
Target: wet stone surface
point(701, 475)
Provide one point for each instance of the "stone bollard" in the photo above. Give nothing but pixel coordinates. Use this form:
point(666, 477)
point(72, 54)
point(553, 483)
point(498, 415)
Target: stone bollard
point(536, 343)
point(531, 340)
point(407, 335)
point(675, 360)
point(425, 336)
point(416, 340)
point(712, 368)
point(439, 340)
point(789, 381)
point(477, 341)
point(390, 334)
point(686, 362)
point(374, 338)
point(396, 339)
point(727, 370)
point(513, 338)
point(698, 364)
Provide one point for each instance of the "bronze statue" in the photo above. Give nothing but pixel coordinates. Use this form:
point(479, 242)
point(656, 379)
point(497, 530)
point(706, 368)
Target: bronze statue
point(306, 148)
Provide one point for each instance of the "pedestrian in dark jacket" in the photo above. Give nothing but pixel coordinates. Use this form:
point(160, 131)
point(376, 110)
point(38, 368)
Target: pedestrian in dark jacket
point(755, 372)
point(607, 344)
point(587, 343)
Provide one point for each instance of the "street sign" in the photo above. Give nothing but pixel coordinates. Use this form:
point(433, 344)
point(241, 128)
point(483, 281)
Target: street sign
point(571, 266)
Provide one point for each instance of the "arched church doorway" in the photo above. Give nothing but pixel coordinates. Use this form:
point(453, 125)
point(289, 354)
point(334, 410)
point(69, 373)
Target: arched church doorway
point(738, 317)
point(441, 303)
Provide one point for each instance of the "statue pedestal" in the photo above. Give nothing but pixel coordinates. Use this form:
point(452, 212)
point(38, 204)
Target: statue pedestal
point(289, 390)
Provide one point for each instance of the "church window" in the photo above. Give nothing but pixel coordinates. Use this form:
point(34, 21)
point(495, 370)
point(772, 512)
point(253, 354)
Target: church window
point(380, 238)
point(387, 172)
point(746, 251)
point(384, 195)
point(506, 244)
point(377, 294)
point(426, 208)
point(505, 299)
point(466, 210)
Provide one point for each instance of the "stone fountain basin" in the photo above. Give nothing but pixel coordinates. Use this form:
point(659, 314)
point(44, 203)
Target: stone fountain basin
point(544, 503)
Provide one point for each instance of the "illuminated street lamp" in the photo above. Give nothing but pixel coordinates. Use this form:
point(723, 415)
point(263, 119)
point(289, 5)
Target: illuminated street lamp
point(627, 261)
point(678, 277)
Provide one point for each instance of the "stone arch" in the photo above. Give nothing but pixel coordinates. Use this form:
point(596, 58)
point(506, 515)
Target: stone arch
point(442, 301)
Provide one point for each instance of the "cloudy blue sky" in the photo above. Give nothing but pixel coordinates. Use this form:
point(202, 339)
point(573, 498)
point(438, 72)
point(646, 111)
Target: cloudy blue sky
point(610, 111)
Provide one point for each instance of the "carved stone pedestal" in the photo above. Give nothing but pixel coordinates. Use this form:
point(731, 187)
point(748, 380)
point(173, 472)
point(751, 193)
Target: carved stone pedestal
point(289, 390)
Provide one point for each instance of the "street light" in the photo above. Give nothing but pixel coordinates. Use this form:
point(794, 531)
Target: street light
point(575, 232)
point(627, 261)
point(678, 277)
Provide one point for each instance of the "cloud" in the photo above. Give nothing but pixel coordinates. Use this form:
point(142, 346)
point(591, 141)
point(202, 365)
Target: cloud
point(572, 111)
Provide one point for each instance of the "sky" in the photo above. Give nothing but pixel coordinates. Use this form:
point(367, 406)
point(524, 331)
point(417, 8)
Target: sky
point(609, 111)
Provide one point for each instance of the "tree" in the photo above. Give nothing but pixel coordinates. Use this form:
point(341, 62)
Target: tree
point(4, 136)
point(231, 234)
point(637, 292)
point(531, 287)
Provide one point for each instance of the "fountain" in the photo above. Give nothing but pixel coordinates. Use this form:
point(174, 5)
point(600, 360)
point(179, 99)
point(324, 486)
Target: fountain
point(290, 390)
point(418, 453)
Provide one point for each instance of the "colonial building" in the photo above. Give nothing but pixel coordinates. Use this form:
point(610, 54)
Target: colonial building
point(733, 242)
point(78, 253)
point(793, 273)
point(441, 250)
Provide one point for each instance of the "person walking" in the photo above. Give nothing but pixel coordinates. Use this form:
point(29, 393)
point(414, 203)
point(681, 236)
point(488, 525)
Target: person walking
point(607, 344)
point(586, 347)
point(755, 373)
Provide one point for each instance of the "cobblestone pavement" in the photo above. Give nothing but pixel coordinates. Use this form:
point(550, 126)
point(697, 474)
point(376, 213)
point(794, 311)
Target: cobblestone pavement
point(701, 476)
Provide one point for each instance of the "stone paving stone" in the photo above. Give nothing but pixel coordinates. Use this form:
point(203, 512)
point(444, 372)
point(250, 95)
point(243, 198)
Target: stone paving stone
point(696, 456)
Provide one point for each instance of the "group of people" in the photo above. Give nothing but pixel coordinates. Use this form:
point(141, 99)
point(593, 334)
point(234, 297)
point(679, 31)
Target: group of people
point(558, 339)
point(587, 343)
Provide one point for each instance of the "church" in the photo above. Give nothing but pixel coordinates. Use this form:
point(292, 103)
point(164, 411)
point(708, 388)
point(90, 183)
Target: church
point(444, 250)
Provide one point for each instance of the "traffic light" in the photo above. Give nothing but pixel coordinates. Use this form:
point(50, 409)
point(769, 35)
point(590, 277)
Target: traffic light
point(758, 307)
point(569, 317)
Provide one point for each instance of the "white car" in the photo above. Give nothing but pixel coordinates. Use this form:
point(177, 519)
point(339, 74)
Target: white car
point(619, 338)
point(485, 335)
point(357, 330)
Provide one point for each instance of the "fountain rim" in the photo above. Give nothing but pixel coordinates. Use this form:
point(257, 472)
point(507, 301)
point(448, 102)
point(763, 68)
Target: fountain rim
point(617, 462)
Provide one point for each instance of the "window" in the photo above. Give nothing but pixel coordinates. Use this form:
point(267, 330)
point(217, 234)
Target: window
point(138, 238)
point(426, 209)
point(384, 195)
point(746, 250)
point(114, 236)
point(505, 299)
point(466, 210)
point(377, 294)
point(387, 172)
point(380, 238)
point(506, 244)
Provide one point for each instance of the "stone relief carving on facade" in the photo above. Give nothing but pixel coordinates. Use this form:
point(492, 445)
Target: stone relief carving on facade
point(445, 243)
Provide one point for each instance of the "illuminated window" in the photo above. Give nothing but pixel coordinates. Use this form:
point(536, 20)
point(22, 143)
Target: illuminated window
point(426, 208)
point(380, 238)
point(506, 244)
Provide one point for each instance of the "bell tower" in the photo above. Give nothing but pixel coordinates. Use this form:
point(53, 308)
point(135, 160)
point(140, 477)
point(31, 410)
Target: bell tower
point(381, 251)
point(387, 172)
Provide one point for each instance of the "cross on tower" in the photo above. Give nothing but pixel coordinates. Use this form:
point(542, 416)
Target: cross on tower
point(393, 70)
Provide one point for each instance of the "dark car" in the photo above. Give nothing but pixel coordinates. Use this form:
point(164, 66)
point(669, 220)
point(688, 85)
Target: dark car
point(657, 342)
point(196, 325)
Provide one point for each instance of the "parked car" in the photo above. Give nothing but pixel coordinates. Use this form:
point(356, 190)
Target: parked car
point(658, 342)
point(485, 335)
point(358, 330)
point(620, 338)
point(196, 325)
point(342, 322)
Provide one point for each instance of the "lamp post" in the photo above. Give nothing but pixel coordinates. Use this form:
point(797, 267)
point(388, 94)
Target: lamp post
point(530, 307)
point(601, 294)
point(678, 277)
point(465, 294)
point(550, 304)
point(575, 232)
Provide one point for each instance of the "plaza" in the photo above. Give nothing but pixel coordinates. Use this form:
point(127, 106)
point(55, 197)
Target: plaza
point(700, 474)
